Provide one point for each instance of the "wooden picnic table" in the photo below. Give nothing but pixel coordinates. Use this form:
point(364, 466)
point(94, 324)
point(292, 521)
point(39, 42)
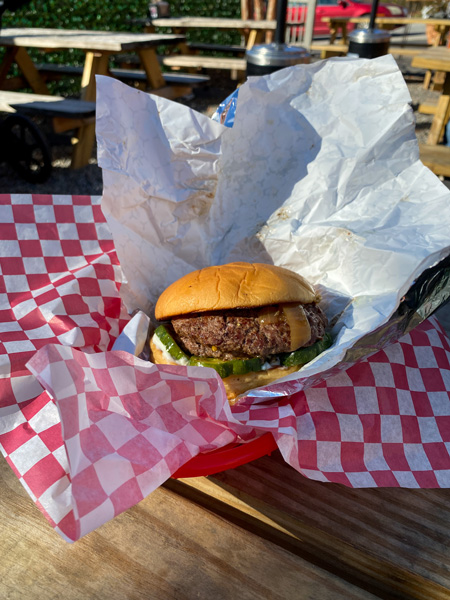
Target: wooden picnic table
point(259, 531)
point(441, 26)
point(252, 30)
point(98, 47)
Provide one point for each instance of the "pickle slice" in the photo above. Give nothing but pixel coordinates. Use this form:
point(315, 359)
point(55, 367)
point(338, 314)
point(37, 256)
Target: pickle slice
point(170, 344)
point(246, 365)
point(304, 355)
point(225, 368)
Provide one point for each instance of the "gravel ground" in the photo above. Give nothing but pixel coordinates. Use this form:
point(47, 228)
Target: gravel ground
point(88, 180)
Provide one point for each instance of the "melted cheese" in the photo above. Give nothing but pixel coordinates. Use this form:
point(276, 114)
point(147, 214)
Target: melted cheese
point(270, 314)
point(298, 324)
point(295, 317)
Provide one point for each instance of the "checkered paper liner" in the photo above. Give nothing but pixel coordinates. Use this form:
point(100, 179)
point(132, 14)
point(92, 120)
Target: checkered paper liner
point(109, 427)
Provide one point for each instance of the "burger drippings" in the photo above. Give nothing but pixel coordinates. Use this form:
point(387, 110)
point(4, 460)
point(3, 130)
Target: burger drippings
point(245, 332)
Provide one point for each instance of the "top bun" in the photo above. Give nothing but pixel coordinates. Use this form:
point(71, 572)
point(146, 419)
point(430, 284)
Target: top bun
point(235, 285)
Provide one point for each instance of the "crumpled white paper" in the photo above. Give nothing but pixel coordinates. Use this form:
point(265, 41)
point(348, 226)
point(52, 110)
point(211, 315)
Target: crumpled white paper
point(320, 174)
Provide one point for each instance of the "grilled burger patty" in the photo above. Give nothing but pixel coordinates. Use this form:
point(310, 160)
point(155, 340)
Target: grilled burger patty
point(239, 333)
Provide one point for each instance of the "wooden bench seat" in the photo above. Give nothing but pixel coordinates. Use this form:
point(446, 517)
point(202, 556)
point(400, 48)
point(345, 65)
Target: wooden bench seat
point(436, 158)
point(328, 50)
point(56, 71)
point(204, 62)
point(66, 114)
point(192, 79)
point(49, 106)
point(231, 49)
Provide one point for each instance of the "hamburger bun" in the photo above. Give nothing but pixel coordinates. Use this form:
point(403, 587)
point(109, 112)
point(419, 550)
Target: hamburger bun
point(234, 285)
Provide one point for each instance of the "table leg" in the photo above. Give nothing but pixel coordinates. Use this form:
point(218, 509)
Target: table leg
point(271, 15)
point(150, 64)
point(333, 31)
point(26, 65)
point(254, 37)
point(8, 59)
point(95, 64)
point(440, 39)
point(159, 87)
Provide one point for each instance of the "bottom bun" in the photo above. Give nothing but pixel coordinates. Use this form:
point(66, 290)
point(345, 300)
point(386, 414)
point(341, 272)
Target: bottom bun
point(234, 384)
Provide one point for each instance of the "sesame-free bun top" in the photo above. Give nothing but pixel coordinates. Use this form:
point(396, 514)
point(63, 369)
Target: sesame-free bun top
point(235, 285)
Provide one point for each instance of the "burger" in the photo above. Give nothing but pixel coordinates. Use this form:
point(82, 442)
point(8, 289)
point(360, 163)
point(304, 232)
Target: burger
point(253, 323)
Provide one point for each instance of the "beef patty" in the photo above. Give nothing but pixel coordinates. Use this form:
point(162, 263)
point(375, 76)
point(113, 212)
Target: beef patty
point(240, 333)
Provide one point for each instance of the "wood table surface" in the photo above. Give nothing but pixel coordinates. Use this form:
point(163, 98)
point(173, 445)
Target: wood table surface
point(88, 40)
point(259, 531)
point(214, 23)
point(98, 47)
point(166, 547)
point(252, 30)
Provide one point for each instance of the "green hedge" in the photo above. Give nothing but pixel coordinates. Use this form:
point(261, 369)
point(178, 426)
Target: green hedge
point(109, 16)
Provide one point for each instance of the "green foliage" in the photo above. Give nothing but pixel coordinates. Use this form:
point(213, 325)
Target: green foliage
point(77, 14)
point(109, 16)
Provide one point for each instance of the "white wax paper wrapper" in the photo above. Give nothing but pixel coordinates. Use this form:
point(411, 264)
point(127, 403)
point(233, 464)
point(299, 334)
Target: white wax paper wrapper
point(320, 174)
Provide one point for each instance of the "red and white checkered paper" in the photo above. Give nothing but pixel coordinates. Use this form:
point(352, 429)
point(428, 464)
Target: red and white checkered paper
point(111, 427)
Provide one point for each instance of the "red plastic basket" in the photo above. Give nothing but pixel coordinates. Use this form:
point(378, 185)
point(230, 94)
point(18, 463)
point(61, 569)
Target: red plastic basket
point(229, 457)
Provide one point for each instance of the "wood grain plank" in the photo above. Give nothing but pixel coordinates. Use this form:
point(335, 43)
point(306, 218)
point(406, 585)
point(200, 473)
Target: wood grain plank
point(150, 64)
point(205, 62)
point(393, 542)
point(101, 41)
point(165, 548)
point(50, 106)
point(436, 158)
point(30, 72)
point(215, 23)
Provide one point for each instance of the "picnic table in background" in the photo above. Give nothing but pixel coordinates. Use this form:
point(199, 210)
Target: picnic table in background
point(98, 47)
point(251, 30)
point(441, 26)
point(339, 25)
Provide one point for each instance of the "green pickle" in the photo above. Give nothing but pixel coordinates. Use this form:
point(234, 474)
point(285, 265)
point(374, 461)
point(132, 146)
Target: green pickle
point(225, 368)
point(304, 355)
point(240, 366)
point(170, 344)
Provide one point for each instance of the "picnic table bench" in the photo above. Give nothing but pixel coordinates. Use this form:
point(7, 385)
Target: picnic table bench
point(98, 47)
point(67, 113)
point(184, 81)
point(252, 31)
